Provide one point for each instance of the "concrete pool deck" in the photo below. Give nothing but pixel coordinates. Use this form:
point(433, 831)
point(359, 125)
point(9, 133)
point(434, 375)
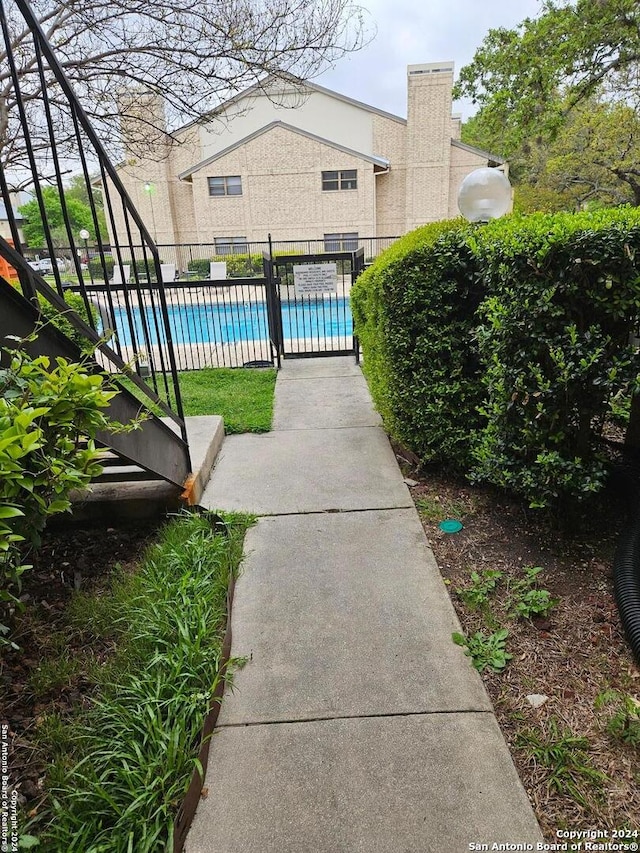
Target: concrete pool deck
point(356, 723)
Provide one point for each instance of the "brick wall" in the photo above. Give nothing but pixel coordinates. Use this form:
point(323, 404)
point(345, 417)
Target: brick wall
point(389, 140)
point(281, 173)
point(282, 191)
point(428, 142)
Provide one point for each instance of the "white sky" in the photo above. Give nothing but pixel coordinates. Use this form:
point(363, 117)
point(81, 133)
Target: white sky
point(411, 32)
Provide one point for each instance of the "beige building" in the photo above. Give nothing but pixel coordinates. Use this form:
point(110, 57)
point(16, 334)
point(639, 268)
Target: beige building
point(302, 162)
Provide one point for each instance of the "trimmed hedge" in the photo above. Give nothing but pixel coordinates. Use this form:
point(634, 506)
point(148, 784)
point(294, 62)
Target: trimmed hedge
point(238, 266)
point(414, 313)
point(554, 336)
point(500, 350)
point(96, 271)
point(95, 267)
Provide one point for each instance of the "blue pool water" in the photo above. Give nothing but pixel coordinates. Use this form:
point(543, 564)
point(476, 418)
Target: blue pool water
point(242, 321)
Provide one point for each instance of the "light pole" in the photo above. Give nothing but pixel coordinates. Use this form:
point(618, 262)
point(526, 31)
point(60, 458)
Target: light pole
point(148, 188)
point(84, 235)
point(484, 194)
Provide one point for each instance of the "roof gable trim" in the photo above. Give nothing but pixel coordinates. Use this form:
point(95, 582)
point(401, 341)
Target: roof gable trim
point(377, 161)
point(297, 81)
point(473, 150)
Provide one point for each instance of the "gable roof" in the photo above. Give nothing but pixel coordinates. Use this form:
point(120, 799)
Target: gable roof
point(383, 162)
point(473, 150)
point(261, 85)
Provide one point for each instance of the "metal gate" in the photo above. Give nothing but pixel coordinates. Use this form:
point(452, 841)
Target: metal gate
point(309, 304)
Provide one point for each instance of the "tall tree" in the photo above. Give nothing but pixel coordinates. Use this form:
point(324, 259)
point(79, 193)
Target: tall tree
point(558, 95)
point(593, 157)
point(79, 214)
point(193, 54)
point(528, 79)
point(89, 196)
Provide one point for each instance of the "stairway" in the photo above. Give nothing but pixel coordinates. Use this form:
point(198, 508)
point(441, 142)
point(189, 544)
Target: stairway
point(152, 452)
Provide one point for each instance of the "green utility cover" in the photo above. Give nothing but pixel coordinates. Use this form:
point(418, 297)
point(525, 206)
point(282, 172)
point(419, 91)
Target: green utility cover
point(450, 525)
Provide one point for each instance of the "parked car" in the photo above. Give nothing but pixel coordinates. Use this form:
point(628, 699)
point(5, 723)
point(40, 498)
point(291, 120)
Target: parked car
point(45, 265)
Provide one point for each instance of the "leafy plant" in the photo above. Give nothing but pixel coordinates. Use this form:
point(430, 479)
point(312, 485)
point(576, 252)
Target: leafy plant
point(50, 413)
point(534, 602)
point(118, 782)
point(624, 722)
point(526, 600)
point(564, 755)
point(482, 584)
point(486, 652)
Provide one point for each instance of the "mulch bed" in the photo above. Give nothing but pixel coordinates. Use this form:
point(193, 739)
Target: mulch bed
point(71, 557)
point(570, 656)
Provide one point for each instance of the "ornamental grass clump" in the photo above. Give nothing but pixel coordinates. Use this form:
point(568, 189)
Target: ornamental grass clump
point(121, 780)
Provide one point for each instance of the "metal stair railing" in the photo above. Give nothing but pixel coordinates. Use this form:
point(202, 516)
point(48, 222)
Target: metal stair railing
point(48, 136)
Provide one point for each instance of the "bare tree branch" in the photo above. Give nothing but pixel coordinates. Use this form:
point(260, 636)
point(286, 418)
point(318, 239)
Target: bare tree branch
point(194, 55)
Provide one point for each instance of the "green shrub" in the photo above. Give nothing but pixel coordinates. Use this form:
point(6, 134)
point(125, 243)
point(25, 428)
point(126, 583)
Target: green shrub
point(502, 350)
point(95, 267)
point(238, 266)
point(199, 266)
point(58, 319)
point(46, 410)
point(414, 313)
point(555, 343)
point(143, 266)
point(243, 266)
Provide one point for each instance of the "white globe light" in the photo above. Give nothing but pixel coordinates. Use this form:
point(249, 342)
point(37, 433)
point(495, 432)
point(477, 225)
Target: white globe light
point(84, 234)
point(484, 194)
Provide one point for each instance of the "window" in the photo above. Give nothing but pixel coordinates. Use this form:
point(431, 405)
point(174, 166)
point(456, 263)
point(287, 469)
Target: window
point(347, 179)
point(341, 242)
point(228, 185)
point(231, 245)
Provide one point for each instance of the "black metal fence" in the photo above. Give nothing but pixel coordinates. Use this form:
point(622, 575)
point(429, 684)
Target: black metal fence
point(238, 322)
point(192, 260)
point(212, 323)
point(312, 305)
point(46, 136)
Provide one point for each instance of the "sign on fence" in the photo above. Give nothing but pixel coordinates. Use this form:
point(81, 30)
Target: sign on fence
point(315, 278)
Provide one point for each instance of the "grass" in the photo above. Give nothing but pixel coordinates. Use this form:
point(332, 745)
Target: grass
point(564, 758)
point(244, 398)
point(53, 673)
point(118, 770)
point(432, 508)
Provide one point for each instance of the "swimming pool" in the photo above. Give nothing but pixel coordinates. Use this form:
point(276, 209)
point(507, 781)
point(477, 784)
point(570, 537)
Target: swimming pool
point(236, 322)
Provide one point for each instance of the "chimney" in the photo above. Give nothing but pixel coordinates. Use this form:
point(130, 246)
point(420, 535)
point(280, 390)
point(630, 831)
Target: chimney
point(145, 169)
point(429, 132)
point(142, 122)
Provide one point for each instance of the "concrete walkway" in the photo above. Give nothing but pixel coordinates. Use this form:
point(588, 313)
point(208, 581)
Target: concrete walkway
point(357, 724)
